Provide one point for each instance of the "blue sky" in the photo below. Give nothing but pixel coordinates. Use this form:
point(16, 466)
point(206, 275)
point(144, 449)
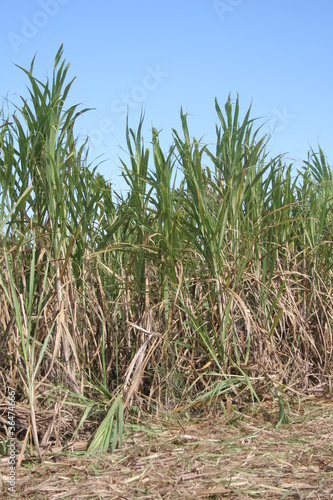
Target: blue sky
point(159, 56)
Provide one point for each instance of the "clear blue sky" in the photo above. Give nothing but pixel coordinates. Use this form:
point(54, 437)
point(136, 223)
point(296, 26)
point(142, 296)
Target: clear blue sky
point(161, 55)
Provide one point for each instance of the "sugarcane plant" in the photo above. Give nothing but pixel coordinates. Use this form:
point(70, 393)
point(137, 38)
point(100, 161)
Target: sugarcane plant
point(208, 281)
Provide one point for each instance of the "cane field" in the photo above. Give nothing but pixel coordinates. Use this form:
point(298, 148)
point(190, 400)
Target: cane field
point(175, 339)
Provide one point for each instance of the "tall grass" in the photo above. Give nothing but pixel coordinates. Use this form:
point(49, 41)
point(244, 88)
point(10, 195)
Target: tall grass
point(181, 292)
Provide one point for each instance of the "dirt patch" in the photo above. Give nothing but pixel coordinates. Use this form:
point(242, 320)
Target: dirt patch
point(242, 456)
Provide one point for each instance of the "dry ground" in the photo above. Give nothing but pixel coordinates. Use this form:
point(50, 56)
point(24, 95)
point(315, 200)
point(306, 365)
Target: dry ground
point(212, 457)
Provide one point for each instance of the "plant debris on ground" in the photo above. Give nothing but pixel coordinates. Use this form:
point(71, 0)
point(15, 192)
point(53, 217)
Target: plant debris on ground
point(242, 456)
